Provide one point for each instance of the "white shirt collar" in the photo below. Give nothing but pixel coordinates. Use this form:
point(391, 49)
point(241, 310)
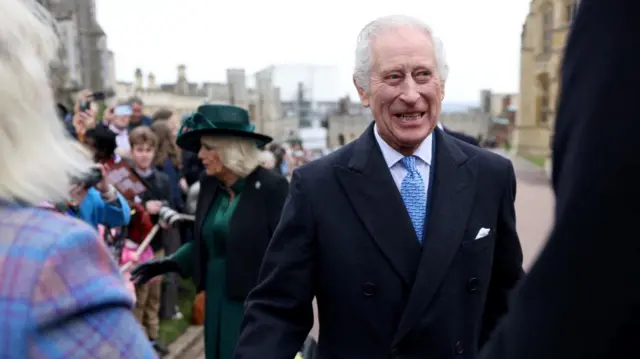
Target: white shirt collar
point(392, 156)
point(440, 125)
point(117, 131)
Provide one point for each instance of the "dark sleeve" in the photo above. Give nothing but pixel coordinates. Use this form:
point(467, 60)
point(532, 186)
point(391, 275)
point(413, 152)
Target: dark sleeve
point(277, 197)
point(174, 178)
point(278, 312)
point(473, 141)
point(582, 290)
point(185, 160)
point(191, 167)
point(165, 194)
point(507, 259)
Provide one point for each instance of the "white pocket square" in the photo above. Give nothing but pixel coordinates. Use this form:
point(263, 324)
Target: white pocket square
point(483, 232)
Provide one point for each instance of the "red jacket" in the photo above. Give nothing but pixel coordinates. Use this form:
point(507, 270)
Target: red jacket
point(140, 224)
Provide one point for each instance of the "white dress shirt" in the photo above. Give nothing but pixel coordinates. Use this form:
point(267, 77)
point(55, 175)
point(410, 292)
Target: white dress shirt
point(393, 159)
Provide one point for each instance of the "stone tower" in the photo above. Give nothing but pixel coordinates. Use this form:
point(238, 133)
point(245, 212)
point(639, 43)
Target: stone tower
point(138, 76)
point(237, 82)
point(151, 81)
point(182, 85)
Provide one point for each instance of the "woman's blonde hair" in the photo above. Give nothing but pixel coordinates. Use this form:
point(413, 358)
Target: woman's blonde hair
point(267, 159)
point(37, 156)
point(239, 155)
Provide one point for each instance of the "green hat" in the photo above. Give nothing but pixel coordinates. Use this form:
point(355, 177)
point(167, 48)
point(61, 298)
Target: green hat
point(217, 120)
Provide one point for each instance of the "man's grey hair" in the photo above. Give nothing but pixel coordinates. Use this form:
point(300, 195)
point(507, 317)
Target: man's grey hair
point(134, 100)
point(364, 61)
point(38, 158)
point(239, 155)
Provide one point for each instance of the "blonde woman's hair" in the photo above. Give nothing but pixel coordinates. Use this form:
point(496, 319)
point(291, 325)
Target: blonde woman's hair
point(37, 156)
point(239, 155)
point(267, 159)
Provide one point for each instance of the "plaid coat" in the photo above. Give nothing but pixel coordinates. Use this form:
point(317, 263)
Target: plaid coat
point(61, 293)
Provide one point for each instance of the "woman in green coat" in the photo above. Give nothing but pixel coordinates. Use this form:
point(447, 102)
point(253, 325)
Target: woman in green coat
point(238, 210)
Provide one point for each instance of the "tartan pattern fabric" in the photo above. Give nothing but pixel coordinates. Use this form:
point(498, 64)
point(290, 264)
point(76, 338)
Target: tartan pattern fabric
point(61, 293)
point(414, 195)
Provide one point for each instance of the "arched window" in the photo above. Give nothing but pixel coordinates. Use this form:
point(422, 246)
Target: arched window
point(571, 9)
point(543, 99)
point(547, 28)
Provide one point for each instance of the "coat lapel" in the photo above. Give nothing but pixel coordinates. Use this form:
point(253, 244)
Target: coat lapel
point(371, 190)
point(250, 198)
point(208, 190)
point(451, 202)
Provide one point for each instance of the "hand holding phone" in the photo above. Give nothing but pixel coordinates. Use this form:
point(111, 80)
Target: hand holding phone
point(122, 110)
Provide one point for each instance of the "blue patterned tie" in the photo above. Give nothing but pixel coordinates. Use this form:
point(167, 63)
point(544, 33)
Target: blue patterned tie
point(414, 195)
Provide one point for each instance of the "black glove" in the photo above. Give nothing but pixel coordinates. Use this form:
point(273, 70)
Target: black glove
point(146, 271)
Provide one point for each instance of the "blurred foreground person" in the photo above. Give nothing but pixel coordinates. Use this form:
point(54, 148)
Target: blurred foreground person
point(581, 298)
point(61, 293)
point(238, 210)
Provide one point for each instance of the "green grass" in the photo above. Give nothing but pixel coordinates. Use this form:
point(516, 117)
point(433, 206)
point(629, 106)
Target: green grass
point(536, 160)
point(170, 329)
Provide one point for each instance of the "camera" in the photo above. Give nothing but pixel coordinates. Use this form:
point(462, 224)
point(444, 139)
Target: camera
point(90, 179)
point(168, 215)
point(96, 96)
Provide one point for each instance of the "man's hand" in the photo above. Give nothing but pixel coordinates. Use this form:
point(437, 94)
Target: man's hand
point(122, 152)
point(153, 207)
point(78, 193)
point(183, 185)
point(129, 284)
point(107, 115)
point(84, 120)
point(103, 185)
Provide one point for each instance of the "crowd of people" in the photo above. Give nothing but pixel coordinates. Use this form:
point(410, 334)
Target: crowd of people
point(124, 137)
point(168, 171)
point(406, 237)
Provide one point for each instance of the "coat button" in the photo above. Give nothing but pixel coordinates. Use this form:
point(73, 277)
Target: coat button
point(369, 289)
point(473, 285)
point(459, 348)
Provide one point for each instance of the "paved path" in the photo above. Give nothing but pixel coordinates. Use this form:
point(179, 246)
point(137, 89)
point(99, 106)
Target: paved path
point(534, 207)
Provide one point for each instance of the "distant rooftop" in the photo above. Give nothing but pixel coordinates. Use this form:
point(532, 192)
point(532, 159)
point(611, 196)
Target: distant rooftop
point(500, 121)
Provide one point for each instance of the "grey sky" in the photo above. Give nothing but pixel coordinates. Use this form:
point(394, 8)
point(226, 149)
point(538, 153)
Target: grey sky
point(481, 37)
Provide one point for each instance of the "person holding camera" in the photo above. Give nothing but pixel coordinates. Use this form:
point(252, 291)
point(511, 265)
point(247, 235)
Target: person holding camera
point(84, 115)
point(95, 202)
point(92, 199)
point(157, 202)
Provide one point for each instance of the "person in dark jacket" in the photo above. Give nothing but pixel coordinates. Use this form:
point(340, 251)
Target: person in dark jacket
point(138, 118)
point(238, 210)
point(167, 160)
point(581, 298)
point(158, 195)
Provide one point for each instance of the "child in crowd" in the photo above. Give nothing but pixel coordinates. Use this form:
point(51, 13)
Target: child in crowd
point(143, 144)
